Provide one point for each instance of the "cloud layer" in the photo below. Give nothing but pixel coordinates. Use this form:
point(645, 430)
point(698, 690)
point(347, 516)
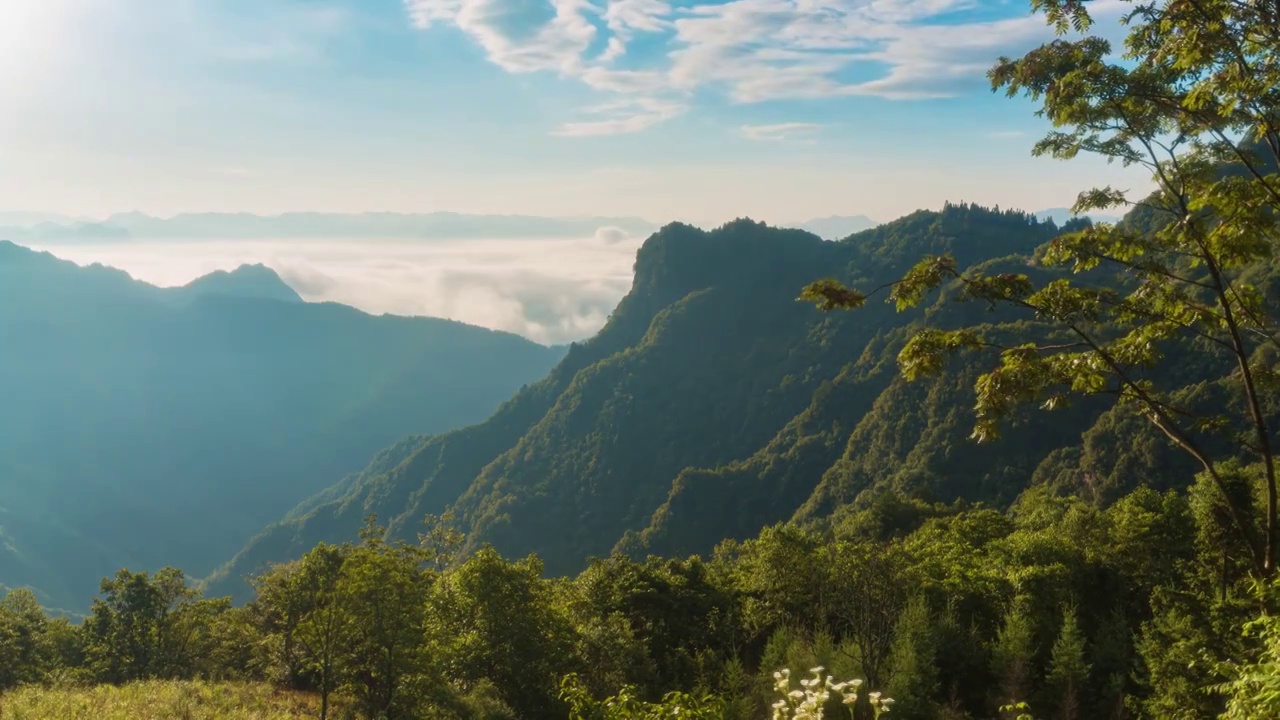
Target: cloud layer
point(652, 57)
point(551, 291)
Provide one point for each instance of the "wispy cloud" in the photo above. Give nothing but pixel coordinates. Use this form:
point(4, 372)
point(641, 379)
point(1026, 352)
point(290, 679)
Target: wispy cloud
point(621, 117)
point(779, 131)
point(750, 50)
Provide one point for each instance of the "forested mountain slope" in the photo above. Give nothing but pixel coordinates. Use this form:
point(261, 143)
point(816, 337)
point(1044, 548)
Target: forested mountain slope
point(142, 426)
point(710, 405)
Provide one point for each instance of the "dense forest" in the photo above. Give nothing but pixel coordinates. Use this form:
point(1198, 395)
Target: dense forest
point(1038, 482)
point(144, 426)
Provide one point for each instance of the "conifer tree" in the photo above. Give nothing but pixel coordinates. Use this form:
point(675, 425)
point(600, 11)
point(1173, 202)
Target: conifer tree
point(913, 681)
point(1068, 668)
point(1013, 656)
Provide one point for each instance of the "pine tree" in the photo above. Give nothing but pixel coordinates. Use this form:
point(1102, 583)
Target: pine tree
point(1068, 669)
point(1013, 655)
point(913, 681)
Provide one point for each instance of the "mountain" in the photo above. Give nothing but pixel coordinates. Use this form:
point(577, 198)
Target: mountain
point(247, 281)
point(228, 226)
point(20, 218)
point(710, 405)
point(1062, 215)
point(144, 426)
point(837, 227)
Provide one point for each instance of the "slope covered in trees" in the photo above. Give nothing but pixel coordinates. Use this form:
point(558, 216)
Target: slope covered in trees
point(711, 405)
point(144, 426)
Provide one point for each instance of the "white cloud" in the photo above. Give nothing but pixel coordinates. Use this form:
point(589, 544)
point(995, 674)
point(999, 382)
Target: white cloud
point(621, 117)
point(780, 131)
point(611, 234)
point(551, 291)
point(751, 50)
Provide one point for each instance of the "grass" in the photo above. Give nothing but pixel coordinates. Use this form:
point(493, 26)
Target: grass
point(156, 700)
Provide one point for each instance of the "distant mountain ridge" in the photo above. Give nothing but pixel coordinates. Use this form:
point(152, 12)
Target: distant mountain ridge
point(144, 426)
point(837, 227)
point(443, 225)
point(21, 266)
point(1063, 215)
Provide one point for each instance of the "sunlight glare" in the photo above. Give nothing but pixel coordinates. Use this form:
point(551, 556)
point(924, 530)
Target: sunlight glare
point(28, 35)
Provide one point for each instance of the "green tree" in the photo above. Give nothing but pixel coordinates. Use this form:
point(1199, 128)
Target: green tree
point(1193, 78)
point(1068, 668)
point(303, 611)
point(913, 670)
point(25, 652)
point(144, 626)
point(490, 619)
point(384, 589)
point(1013, 656)
point(1252, 689)
point(865, 589)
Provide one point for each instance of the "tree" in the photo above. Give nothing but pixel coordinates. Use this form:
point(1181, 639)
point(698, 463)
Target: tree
point(1253, 686)
point(493, 619)
point(1013, 656)
point(1068, 669)
point(1180, 288)
point(301, 606)
point(25, 654)
point(913, 670)
point(867, 588)
point(145, 626)
point(384, 589)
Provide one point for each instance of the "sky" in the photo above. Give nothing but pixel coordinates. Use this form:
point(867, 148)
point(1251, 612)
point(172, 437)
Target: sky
point(781, 110)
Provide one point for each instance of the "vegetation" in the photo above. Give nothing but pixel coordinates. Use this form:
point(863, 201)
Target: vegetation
point(1114, 558)
point(144, 426)
point(951, 610)
point(159, 700)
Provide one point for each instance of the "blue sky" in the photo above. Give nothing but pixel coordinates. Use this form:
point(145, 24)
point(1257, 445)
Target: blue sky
point(702, 111)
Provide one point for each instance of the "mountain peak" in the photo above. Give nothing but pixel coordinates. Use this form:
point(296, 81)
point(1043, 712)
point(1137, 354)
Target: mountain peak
point(247, 281)
point(838, 227)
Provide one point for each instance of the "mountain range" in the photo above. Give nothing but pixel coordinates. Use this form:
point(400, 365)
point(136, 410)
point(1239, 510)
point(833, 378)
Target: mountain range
point(710, 405)
point(713, 404)
point(45, 227)
point(314, 225)
point(142, 426)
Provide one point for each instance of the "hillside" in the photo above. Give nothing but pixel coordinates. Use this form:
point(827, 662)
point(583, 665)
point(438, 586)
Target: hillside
point(144, 426)
point(710, 405)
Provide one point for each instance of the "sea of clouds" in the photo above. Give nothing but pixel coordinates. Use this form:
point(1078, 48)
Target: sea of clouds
point(548, 290)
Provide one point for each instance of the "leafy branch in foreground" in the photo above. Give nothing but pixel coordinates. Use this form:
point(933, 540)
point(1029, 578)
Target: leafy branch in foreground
point(1180, 276)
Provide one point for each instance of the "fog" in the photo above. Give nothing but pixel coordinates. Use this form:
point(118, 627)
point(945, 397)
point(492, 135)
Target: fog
point(548, 290)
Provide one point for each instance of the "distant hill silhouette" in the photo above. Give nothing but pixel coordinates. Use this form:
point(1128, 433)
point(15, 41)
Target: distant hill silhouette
point(144, 426)
point(194, 226)
point(837, 227)
point(1061, 216)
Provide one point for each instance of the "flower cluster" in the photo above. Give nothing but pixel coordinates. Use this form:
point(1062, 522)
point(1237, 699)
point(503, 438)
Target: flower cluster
point(809, 701)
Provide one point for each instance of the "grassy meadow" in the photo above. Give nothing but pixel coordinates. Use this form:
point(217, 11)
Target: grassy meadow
point(162, 700)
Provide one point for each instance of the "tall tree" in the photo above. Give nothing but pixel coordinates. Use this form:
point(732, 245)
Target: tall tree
point(1013, 656)
point(302, 606)
point(384, 588)
point(1192, 97)
point(1068, 668)
point(913, 671)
